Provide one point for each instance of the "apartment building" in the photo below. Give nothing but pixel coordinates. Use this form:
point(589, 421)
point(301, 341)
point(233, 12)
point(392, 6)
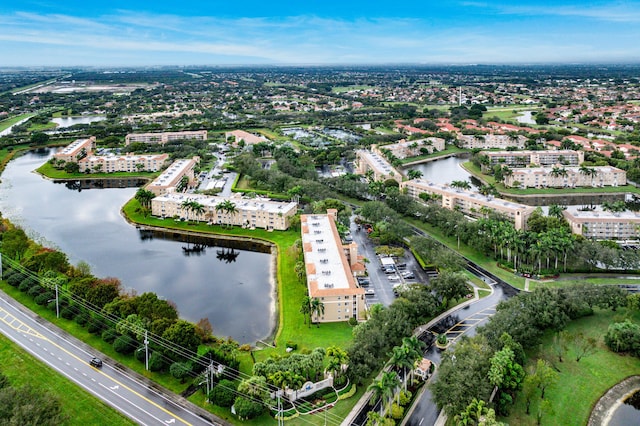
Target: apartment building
point(565, 177)
point(413, 148)
point(76, 150)
point(122, 163)
point(470, 203)
point(247, 212)
point(173, 175)
point(241, 135)
point(380, 167)
point(603, 225)
point(165, 137)
point(541, 158)
point(490, 141)
point(329, 267)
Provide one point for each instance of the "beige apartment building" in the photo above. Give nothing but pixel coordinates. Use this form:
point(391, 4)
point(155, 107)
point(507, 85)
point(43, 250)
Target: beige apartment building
point(123, 163)
point(241, 135)
point(380, 167)
point(541, 158)
point(472, 204)
point(565, 177)
point(330, 269)
point(172, 176)
point(413, 148)
point(76, 150)
point(492, 141)
point(603, 225)
point(248, 212)
point(165, 137)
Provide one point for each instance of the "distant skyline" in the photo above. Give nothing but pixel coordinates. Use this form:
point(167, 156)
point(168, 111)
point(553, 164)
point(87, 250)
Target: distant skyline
point(317, 32)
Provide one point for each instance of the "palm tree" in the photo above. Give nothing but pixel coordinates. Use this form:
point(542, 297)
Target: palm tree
point(317, 309)
point(144, 197)
point(197, 208)
point(228, 208)
point(383, 389)
point(414, 174)
point(460, 184)
point(556, 210)
point(305, 309)
point(337, 359)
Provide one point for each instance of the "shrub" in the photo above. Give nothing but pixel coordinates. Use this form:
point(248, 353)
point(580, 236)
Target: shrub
point(82, 318)
point(94, 325)
point(24, 286)
point(397, 412)
point(15, 279)
point(67, 313)
point(405, 397)
point(623, 337)
point(223, 394)
point(43, 298)
point(156, 361)
point(109, 335)
point(124, 344)
point(35, 290)
point(353, 322)
point(246, 408)
point(141, 354)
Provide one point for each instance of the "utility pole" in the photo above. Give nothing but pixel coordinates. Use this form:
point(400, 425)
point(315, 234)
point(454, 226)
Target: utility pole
point(0, 266)
point(146, 349)
point(57, 303)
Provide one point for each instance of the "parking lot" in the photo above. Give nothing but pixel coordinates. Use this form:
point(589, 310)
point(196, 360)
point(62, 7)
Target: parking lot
point(380, 282)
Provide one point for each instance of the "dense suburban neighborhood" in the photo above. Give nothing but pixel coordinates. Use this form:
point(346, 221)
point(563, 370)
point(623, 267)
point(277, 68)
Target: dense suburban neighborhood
point(456, 244)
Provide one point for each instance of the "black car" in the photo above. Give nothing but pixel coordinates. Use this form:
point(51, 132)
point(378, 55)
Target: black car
point(95, 362)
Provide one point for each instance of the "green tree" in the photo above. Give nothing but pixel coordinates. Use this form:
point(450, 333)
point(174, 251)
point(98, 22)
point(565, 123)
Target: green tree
point(450, 285)
point(184, 335)
point(317, 309)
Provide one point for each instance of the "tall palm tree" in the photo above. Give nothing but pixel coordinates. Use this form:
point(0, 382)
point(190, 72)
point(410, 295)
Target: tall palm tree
point(197, 208)
point(414, 174)
point(317, 309)
point(144, 197)
point(460, 184)
point(305, 309)
point(383, 389)
point(228, 208)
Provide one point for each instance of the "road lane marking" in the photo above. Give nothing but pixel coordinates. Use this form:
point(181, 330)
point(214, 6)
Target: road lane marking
point(34, 333)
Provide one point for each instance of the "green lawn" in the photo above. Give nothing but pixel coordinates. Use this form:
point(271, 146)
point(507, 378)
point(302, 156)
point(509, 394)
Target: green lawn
point(81, 408)
point(51, 172)
point(42, 127)
point(580, 384)
point(343, 89)
point(6, 123)
point(450, 150)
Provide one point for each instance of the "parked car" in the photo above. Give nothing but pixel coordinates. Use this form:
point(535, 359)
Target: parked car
point(95, 362)
point(394, 277)
point(408, 275)
point(401, 265)
point(364, 282)
point(369, 292)
point(390, 270)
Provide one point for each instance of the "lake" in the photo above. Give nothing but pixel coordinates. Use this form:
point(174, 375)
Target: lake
point(63, 122)
point(445, 170)
point(228, 283)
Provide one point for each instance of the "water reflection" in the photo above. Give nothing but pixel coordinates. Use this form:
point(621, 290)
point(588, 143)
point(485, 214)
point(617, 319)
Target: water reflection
point(627, 414)
point(234, 291)
point(445, 170)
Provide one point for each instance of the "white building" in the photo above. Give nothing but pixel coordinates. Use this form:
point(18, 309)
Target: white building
point(164, 137)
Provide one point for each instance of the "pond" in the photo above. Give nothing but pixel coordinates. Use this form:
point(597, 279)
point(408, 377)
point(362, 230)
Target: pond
point(445, 170)
point(628, 413)
point(228, 283)
point(63, 122)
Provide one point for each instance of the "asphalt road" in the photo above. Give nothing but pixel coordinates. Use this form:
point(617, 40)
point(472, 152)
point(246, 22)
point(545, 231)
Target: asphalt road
point(140, 400)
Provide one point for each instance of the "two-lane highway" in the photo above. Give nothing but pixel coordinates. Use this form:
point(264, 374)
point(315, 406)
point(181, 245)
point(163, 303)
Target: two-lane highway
point(137, 399)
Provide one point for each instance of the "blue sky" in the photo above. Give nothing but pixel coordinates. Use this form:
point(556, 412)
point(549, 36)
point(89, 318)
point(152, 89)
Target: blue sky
point(197, 32)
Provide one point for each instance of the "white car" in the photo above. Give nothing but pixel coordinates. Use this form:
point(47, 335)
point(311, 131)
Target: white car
point(394, 277)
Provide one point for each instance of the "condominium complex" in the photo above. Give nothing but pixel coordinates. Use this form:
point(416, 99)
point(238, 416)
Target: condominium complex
point(470, 203)
point(379, 166)
point(604, 225)
point(565, 177)
point(492, 141)
point(329, 266)
point(76, 150)
point(246, 137)
point(173, 175)
point(413, 148)
point(123, 163)
point(246, 212)
point(164, 137)
point(541, 158)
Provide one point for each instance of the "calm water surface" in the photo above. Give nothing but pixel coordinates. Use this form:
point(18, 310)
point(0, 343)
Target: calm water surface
point(70, 121)
point(627, 414)
point(443, 171)
point(230, 286)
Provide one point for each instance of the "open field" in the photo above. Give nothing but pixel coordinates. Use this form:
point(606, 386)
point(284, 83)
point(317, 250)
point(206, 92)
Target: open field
point(580, 384)
point(6, 123)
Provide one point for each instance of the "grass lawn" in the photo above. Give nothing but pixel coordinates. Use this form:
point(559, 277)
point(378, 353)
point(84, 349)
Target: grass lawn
point(80, 407)
point(6, 123)
point(580, 384)
point(41, 127)
point(51, 172)
point(343, 89)
point(567, 282)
